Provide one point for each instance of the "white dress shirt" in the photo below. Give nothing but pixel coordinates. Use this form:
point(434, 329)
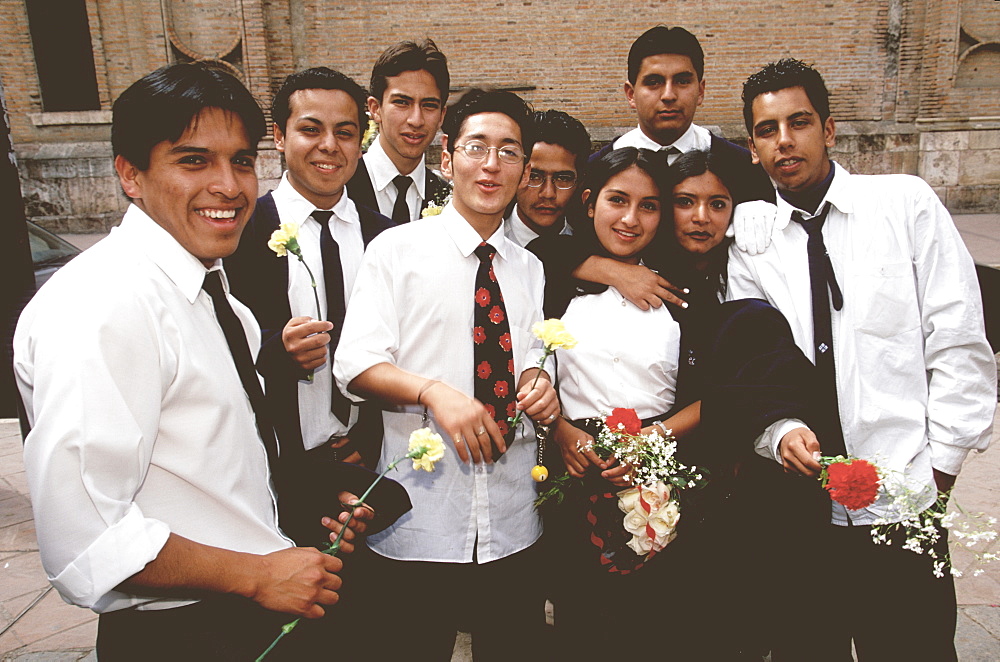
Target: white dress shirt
point(316, 420)
point(696, 137)
point(382, 171)
point(413, 308)
point(916, 379)
point(515, 229)
point(624, 357)
point(140, 424)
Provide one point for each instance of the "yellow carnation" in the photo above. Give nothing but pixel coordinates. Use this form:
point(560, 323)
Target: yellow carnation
point(425, 449)
point(553, 333)
point(283, 241)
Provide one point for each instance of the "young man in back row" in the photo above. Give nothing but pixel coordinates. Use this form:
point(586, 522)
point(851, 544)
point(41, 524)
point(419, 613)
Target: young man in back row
point(881, 294)
point(409, 89)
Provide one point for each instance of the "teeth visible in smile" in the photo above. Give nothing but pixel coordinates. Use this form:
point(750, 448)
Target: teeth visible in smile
point(626, 234)
point(325, 166)
point(217, 213)
point(786, 162)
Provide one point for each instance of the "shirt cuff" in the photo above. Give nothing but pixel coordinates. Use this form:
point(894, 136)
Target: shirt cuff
point(766, 444)
point(946, 458)
point(122, 550)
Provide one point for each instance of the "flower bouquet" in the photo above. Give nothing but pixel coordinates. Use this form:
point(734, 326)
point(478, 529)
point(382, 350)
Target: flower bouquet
point(652, 507)
point(856, 484)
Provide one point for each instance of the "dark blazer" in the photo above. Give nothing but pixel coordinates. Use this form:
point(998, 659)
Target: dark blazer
point(360, 188)
point(260, 280)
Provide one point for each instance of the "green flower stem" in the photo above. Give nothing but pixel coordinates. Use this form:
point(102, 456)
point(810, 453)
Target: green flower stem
point(334, 547)
point(541, 366)
point(312, 279)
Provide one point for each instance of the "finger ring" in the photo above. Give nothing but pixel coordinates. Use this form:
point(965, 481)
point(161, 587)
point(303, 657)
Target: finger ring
point(551, 418)
point(459, 439)
point(480, 432)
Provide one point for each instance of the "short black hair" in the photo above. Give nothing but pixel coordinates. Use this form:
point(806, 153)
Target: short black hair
point(410, 56)
point(698, 162)
point(663, 40)
point(781, 75)
point(558, 128)
point(477, 101)
point(318, 78)
point(161, 105)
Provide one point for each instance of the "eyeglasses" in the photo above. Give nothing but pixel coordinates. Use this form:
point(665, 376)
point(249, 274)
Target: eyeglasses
point(561, 180)
point(477, 150)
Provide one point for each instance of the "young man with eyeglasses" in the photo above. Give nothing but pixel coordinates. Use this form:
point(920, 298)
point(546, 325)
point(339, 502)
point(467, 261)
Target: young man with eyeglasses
point(439, 330)
point(562, 146)
point(409, 89)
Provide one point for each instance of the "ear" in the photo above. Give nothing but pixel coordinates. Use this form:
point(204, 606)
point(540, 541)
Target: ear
point(128, 177)
point(753, 150)
point(445, 158)
point(630, 94)
point(701, 91)
point(374, 108)
point(829, 132)
point(279, 137)
point(584, 197)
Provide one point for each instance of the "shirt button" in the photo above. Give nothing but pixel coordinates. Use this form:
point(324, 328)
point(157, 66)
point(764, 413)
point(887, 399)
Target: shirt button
point(623, 302)
point(616, 359)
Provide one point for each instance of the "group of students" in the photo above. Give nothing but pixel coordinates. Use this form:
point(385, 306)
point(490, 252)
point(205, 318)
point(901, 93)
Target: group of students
point(168, 486)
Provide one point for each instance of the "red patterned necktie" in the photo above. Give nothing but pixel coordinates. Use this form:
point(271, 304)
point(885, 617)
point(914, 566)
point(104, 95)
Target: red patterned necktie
point(494, 360)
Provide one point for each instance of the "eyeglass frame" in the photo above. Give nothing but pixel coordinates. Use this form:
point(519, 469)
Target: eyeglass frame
point(547, 176)
point(517, 159)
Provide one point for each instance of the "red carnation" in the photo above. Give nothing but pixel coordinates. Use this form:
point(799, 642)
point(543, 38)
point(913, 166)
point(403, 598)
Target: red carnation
point(483, 297)
point(510, 366)
point(505, 342)
point(478, 335)
point(484, 369)
point(496, 314)
point(626, 418)
point(853, 484)
point(500, 389)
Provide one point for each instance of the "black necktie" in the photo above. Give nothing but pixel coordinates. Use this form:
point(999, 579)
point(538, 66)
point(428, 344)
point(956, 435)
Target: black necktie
point(333, 278)
point(400, 212)
point(236, 338)
point(492, 353)
point(670, 153)
point(824, 283)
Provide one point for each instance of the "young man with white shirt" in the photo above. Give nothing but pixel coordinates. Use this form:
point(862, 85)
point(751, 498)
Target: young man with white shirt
point(409, 89)
point(149, 450)
point(890, 312)
point(665, 86)
point(416, 338)
point(319, 118)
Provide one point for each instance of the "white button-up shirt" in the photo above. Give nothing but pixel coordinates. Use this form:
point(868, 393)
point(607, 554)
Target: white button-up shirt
point(140, 424)
point(515, 229)
point(624, 357)
point(382, 171)
point(696, 137)
point(316, 420)
point(916, 378)
point(413, 308)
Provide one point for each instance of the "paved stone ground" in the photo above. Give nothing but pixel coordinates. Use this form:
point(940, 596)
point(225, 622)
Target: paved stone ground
point(52, 631)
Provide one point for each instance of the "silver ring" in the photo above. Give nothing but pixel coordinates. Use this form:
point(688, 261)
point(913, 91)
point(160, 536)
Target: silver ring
point(459, 439)
point(480, 432)
point(550, 418)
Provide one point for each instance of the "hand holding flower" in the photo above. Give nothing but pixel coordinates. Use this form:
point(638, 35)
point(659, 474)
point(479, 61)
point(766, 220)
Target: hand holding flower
point(356, 522)
point(536, 397)
point(799, 452)
point(305, 340)
point(576, 449)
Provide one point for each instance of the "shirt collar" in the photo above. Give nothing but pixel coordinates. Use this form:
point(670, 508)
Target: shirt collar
point(837, 195)
point(382, 170)
point(182, 268)
point(696, 137)
point(521, 234)
point(293, 207)
point(465, 236)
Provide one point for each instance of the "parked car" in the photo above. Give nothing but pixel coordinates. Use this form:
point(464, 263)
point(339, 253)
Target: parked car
point(48, 252)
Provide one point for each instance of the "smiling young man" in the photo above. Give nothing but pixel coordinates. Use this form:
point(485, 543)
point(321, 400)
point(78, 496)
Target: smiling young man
point(890, 312)
point(409, 89)
point(319, 118)
point(148, 457)
point(439, 329)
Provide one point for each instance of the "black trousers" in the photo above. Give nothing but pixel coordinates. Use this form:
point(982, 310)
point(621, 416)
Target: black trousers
point(218, 629)
point(414, 609)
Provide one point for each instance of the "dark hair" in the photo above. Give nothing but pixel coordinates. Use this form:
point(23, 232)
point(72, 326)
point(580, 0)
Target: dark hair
point(410, 56)
point(694, 164)
point(781, 75)
point(319, 78)
point(558, 128)
point(477, 101)
point(661, 40)
point(161, 105)
point(600, 171)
